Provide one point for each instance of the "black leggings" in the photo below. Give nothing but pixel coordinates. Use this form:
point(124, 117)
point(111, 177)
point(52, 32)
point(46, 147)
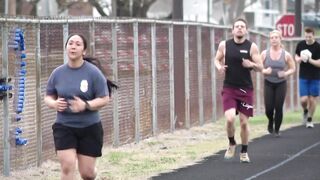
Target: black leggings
point(274, 96)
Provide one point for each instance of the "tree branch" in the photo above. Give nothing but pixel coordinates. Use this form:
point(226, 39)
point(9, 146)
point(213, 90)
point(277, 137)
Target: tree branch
point(63, 6)
point(98, 7)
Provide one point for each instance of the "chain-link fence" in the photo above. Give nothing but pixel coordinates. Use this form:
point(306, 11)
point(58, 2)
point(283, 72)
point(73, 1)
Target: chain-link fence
point(164, 69)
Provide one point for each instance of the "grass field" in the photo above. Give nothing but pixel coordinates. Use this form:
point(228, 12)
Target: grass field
point(169, 151)
point(164, 152)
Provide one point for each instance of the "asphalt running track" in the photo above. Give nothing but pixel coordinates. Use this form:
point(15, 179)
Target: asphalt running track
point(295, 155)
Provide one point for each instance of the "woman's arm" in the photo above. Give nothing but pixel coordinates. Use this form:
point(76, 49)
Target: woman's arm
point(97, 103)
point(268, 70)
point(59, 104)
point(291, 64)
point(79, 105)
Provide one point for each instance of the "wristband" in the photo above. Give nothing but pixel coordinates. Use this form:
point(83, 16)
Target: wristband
point(87, 105)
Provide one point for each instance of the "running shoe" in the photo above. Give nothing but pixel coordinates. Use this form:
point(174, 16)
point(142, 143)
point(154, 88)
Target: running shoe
point(305, 117)
point(270, 130)
point(277, 134)
point(230, 152)
point(309, 125)
point(244, 158)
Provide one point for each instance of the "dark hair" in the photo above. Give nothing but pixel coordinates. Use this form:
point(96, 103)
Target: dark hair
point(240, 19)
point(81, 36)
point(309, 30)
point(110, 84)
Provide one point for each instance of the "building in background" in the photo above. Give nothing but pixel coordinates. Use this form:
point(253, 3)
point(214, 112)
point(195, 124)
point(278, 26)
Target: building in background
point(160, 9)
point(198, 10)
point(47, 8)
point(51, 8)
point(261, 14)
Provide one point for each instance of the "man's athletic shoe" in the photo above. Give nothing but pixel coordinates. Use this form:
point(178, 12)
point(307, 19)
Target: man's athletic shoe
point(305, 117)
point(244, 158)
point(230, 152)
point(276, 134)
point(309, 125)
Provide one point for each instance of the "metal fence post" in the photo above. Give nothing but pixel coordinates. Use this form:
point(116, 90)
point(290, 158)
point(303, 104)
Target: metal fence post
point(291, 81)
point(200, 77)
point(186, 76)
point(226, 34)
point(92, 37)
point(136, 81)
point(171, 80)
point(6, 123)
point(258, 82)
point(65, 37)
point(115, 93)
point(297, 79)
point(213, 76)
point(38, 97)
point(154, 79)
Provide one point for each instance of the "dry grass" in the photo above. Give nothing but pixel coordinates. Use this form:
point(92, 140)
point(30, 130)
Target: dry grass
point(155, 155)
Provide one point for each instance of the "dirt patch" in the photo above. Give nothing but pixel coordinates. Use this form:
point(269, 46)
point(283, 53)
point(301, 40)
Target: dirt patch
point(161, 153)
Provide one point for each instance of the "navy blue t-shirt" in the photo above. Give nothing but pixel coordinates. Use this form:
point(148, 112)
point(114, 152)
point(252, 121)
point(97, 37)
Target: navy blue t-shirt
point(87, 82)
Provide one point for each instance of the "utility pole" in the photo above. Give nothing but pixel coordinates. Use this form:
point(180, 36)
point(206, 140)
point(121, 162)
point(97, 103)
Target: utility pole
point(130, 7)
point(114, 8)
point(48, 13)
point(6, 7)
point(283, 8)
point(297, 22)
point(209, 10)
point(11, 11)
point(177, 13)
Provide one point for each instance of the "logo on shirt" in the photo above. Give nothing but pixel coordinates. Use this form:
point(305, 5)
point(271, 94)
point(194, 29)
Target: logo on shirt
point(84, 86)
point(244, 51)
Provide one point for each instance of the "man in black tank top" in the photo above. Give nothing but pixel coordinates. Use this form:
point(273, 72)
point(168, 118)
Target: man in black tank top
point(236, 58)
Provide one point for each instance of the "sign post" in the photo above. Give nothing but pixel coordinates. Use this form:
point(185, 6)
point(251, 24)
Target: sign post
point(286, 25)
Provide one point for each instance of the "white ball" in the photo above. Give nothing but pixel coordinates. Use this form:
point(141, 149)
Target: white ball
point(306, 52)
point(304, 57)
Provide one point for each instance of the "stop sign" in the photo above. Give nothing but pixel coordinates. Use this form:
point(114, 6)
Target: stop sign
point(286, 25)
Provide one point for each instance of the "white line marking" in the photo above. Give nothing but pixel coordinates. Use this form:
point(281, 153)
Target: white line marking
point(284, 162)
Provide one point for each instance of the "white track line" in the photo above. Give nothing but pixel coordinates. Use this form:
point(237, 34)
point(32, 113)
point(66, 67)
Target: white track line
point(284, 162)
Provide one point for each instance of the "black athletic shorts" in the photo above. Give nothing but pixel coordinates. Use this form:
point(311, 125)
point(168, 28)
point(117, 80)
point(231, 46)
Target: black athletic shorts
point(87, 141)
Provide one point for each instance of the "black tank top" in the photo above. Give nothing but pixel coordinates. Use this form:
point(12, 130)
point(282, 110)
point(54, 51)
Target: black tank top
point(237, 75)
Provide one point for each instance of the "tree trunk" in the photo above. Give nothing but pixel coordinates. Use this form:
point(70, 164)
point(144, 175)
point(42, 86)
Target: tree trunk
point(2, 6)
point(12, 7)
point(316, 7)
point(240, 8)
point(177, 9)
point(231, 13)
point(283, 7)
point(98, 7)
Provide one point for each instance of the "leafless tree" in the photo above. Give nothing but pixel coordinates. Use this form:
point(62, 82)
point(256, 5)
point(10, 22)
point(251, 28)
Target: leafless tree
point(134, 8)
point(235, 8)
point(137, 8)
